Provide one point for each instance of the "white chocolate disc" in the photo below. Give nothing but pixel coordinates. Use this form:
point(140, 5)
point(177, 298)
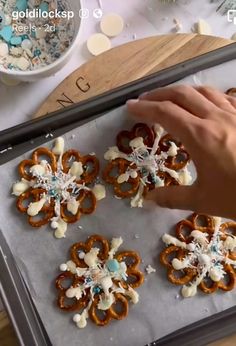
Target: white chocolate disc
point(98, 43)
point(112, 24)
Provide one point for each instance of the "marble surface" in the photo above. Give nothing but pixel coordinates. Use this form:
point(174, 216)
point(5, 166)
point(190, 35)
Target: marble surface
point(142, 18)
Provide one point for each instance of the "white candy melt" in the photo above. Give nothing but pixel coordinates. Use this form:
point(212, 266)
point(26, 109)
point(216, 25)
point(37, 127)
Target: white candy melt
point(123, 178)
point(189, 291)
point(71, 266)
point(20, 187)
point(115, 244)
point(230, 243)
point(112, 24)
point(99, 191)
point(173, 150)
point(74, 292)
point(73, 206)
point(76, 169)
point(81, 320)
point(215, 274)
point(35, 207)
point(59, 146)
point(133, 295)
point(137, 143)
point(178, 265)
point(112, 154)
point(170, 240)
point(61, 229)
point(98, 43)
point(38, 170)
point(106, 302)
point(106, 283)
point(91, 257)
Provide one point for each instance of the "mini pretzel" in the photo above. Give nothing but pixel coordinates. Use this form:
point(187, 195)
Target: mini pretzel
point(213, 243)
point(111, 312)
point(228, 228)
point(139, 130)
point(118, 309)
point(87, 176)
point(143, 164)
point(56, 184)
point(121, 166)
point(47, 209)
point(86, 247)
point(75, 304)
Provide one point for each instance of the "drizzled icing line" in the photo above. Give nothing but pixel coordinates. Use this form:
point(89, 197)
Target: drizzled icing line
point(146, 162)
point(210, 254)
point(54, 186)
point(99, 280)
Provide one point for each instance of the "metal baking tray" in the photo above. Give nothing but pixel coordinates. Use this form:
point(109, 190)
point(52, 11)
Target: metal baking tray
point(14, 292)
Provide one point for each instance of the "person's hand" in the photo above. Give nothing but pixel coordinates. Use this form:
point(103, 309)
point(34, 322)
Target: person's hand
point(204, 119)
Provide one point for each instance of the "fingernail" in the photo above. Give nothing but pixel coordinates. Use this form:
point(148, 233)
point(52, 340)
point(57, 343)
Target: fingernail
point(143, 95)
point(132, 101)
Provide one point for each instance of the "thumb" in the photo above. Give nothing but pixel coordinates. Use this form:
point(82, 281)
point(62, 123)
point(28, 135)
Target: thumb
point(174, 197)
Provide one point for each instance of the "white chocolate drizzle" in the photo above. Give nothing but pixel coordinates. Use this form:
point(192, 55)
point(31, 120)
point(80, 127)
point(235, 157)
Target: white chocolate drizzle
point(207, 257)
point(148, 163)
point(100, 277)
point(59, 186)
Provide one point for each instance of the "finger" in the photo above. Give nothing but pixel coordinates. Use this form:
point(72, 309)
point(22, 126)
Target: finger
point(174, 197)
point(232, 100)
point(186, 97)
point(174, 119)
point(217, 97)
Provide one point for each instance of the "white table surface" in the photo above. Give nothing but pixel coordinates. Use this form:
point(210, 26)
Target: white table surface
point(143, 18)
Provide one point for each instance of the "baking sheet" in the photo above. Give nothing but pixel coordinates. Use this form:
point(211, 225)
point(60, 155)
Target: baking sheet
point(160, 311)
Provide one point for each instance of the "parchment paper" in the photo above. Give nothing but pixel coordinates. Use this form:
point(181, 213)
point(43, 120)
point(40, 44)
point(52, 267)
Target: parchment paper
point(38, 254)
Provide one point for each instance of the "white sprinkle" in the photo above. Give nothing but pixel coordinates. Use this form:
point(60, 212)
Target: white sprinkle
point(81, 254)
point(72, 136)
point(177, 296)
point(80, 227)
point(63, 267)
point(149, 269)
point(3, 151)
point(117, 197)
point(47, 135)
point(136, 236)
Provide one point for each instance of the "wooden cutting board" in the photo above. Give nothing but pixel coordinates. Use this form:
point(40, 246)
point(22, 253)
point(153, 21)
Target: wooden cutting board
point(127, 63)
point(114, 68)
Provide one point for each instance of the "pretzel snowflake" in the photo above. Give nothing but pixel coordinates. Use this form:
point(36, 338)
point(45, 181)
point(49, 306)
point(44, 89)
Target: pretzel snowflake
point(102, 281)
point(54, 187)
point(143, 160)
point(201, 256)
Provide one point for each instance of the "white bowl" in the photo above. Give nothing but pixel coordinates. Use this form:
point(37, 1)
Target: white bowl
point(11, 76)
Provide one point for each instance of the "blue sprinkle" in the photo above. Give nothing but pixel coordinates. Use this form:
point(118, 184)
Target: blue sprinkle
point(6, 33)
point(37, 52)
point(24, 37)
point(54, 178)
point(57, 55)
point(96, 290)
point(15, 40)
point(43, 7)
point(113, 265)
point(21, 5)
